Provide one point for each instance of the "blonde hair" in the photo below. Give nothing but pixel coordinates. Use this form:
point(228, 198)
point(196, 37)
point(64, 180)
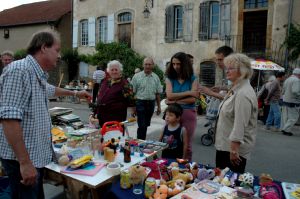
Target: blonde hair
point(241, 62)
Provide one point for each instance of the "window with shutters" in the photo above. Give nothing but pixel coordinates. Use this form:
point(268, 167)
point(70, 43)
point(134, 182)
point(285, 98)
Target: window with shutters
point(84, 33)
point(250, 4)
point(225, 19)
point(209, 20)
point(207, 73)
point(102, 29)
point(179, 23)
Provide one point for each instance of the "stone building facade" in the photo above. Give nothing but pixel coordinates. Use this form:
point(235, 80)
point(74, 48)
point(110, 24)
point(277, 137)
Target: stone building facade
point(197, 27)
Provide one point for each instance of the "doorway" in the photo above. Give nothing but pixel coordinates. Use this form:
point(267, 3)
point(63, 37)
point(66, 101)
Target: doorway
point(255, 31)
point(125, 33)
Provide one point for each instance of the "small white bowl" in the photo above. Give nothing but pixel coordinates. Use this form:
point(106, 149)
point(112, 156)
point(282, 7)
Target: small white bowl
point(114, 168)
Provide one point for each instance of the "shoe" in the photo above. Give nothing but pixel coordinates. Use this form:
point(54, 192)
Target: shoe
point(275, 129)
point(267, 128)
point(287, 133)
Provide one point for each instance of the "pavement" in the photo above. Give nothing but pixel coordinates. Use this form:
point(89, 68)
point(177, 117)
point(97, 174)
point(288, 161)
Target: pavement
point(274, 153)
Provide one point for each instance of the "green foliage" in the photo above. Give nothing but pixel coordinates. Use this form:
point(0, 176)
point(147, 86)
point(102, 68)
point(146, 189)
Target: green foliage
point(20, 54)
point(292, 42)
point(72, 58)
point(121, 52)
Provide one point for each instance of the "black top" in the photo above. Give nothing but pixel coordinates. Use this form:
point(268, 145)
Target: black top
point(175, 141)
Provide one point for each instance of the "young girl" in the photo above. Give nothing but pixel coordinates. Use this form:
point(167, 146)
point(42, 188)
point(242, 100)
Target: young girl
point(174, 134)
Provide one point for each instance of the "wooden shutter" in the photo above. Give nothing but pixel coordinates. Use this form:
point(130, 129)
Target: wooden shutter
point(188, 22)
point(92, 33)
point(75, 34)
point(225, 15)
point(169, 35)
point(204, 21)
point(110, 28)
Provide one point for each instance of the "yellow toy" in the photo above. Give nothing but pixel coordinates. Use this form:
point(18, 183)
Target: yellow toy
point(160, 193)
point(179, 186)
point(186, 177)
point(80, 161)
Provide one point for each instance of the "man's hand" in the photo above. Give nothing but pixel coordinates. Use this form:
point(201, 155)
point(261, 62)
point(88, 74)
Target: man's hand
point(83, 94)
point(28, 173)
point(205, 90)
point(158, 111)
point(216, 89)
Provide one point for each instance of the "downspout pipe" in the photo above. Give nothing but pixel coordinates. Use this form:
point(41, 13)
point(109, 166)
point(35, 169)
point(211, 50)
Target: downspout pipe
point(286, 61)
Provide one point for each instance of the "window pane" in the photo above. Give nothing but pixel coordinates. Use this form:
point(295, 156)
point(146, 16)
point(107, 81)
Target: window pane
point(250, 4)
point(84, 33)
point(103, 29)
point(124, 17)
point(178, 22)
point(214, 24)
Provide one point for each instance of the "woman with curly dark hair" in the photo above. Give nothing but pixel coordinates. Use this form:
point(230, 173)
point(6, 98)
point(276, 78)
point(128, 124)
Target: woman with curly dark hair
point(182, 88)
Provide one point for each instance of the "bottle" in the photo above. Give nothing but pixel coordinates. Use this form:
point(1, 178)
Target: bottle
point(127, 152)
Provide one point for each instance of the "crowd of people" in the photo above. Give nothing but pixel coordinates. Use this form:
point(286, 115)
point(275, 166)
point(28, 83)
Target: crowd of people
point(25, 142)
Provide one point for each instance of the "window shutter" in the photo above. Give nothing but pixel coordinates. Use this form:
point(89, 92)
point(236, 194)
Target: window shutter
point(188, 22)
point(207, 73)
point(204, 21)
point(225, 15)
point(110, 28)
point(75, 34)
point(169, 36)
point(92, 33)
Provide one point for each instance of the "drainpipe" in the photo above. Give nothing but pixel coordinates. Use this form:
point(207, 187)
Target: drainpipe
point(286, 61)
point(72, 13)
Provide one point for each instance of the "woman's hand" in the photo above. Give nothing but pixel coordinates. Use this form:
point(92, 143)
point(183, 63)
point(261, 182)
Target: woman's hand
point(235, 158)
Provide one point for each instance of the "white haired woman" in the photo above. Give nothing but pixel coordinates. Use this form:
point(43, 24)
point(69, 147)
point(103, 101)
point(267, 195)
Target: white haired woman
point(237, 119)
point(114, 96)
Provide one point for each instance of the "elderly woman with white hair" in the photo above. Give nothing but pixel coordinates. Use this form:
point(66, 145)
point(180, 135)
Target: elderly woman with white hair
point(237, 119)
point(114, 96)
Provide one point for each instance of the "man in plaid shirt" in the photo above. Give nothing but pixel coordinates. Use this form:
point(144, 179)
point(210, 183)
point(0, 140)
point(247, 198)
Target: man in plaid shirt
point(25, 139)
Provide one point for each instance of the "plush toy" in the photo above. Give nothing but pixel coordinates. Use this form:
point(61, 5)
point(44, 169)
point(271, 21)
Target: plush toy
point(246, 179)
point(220, 177)
point(179, 186)
point(173, 164)
point(160, 193)
point(137, 173)
point(193, 169)
point(204, 174)
point(265, 178)
point(186, 177)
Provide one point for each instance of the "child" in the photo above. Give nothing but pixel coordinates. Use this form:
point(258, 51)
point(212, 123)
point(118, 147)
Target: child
point(174, 134)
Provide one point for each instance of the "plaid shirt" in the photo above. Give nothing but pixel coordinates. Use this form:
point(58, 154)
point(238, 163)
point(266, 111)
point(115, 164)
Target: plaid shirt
point(24, 95)
point(145, 86)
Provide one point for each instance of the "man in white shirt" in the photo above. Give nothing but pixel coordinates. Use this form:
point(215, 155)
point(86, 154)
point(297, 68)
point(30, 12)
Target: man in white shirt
point(98, 76)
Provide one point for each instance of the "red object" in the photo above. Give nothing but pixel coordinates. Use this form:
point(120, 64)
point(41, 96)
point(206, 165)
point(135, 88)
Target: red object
point(155, 172)
point(260, 104)
point(111, 126)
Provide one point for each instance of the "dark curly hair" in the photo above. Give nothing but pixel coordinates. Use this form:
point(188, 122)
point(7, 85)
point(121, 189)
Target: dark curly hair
point(186, 68)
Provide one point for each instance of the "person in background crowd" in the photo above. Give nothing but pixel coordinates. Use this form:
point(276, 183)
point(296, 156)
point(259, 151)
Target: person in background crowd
point(147, 88)
point(182, 88)
point(173, 133)
point(291, 102)
point(237, 119)
point(137, 70)
point(272, 99)
point(98, 76)
point(6, 58)
point(25, 141)
point(220, 55)
point(261, 98)
point(114, 96)
point(191, 57)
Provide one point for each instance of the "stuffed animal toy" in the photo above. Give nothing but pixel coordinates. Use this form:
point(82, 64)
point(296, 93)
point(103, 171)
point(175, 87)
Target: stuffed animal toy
point(186, 177)
point(193, 169)
point(220, 177)
point(204, 174)
point(179, 186)
point(137, 173)
point(246, 179)
point(265, 178)
point(160, 193)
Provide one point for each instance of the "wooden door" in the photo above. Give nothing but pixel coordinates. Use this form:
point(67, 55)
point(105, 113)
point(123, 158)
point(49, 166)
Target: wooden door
point(125, 33)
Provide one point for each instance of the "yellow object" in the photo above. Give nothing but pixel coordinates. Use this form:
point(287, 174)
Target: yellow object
point(296, 193)
point(110, 155)
point(58, 135)
point(80, 161)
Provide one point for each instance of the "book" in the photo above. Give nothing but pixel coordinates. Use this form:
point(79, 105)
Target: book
point(291, 190)
point(69, 118)
point(58, 111)
point(89, 169)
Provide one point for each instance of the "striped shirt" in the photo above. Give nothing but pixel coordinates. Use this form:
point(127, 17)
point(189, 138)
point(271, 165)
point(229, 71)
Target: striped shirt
point(24, 93)
point(145, 86)
point(98, 76)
